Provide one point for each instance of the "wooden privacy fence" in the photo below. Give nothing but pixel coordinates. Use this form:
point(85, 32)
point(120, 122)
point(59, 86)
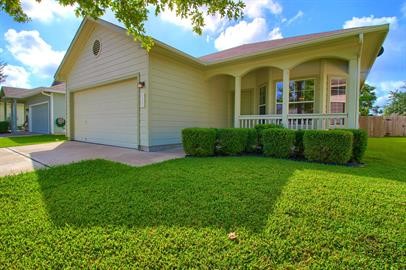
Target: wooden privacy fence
point(380, 126)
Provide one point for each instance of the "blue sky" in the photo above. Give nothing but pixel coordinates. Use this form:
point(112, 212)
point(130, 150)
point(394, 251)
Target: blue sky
point(34, 50)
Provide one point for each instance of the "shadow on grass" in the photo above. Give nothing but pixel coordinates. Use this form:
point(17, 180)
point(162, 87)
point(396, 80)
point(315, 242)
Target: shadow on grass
point(226, 193)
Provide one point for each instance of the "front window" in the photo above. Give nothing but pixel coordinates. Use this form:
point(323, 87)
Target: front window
point(338, 89)
point(262, 100)
point(301, 96)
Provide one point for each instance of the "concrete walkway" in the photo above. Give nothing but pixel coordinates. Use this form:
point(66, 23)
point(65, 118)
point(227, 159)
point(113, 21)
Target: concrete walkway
point(12, 163)
point(31, 157)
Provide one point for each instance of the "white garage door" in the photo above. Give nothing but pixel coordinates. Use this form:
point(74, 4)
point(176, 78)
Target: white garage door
point(107, 114)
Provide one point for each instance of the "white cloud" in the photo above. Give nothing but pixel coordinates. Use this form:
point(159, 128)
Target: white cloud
point(46, 10)
point(1, 50)
point(298, 15)
point(275, 34)
point(31, 50)
point(371, 20)
point(245, 32)
point(213, 24)
point(16, 76)
point(256, 8)
point(383, 90)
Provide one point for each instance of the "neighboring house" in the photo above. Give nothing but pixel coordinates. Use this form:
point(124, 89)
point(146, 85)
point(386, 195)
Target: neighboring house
point(119, 94)
point(41, 107)
point(20, 113)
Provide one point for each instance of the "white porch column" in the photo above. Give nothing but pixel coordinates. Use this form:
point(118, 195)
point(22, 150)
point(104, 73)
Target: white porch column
point(237, 101)
point(353, 93)
point(271, 94)
point(323, 88)
point(285, 105)
point(14, 116)
point(323, 95)
point(5, 108)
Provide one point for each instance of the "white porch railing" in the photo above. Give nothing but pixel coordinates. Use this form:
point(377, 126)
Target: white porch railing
point(249, 121)
point(298, 121)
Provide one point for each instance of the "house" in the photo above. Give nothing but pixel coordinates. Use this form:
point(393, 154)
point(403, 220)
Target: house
point(5, 113)
point(119, 94)
point(41, 107)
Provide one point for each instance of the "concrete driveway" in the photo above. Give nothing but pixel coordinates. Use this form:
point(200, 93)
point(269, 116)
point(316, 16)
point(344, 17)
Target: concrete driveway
point(31, 157)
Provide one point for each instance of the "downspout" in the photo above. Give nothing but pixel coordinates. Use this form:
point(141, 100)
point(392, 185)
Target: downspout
point(361, 42)
point(139, 113)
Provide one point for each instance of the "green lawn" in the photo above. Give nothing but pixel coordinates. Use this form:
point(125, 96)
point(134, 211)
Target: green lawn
point(177, 214)
point(26, 140)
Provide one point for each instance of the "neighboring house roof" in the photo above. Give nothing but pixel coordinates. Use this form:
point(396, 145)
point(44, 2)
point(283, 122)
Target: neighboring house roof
point(264, 46)
point(21, 93)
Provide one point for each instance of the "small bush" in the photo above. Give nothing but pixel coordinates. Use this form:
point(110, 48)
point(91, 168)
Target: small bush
point(4, 126)
point(199, 141)
point(252, 140)
point(262, 127)
point(231, 141)
point(299, 148)
point(330, 146)
point(278, 142)
point(359, 145)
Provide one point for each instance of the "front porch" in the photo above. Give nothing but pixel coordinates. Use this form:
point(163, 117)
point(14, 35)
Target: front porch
point(320, 93)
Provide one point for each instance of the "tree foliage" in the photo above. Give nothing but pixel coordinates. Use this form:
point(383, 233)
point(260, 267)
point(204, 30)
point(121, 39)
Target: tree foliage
point(397, 102)
point(367, 99)
point(3, 76)
point(134, 13)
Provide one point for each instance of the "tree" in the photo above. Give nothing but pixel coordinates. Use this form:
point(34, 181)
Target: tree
point(366, 99)
point(134, 13)
point(397, 102)
point(3, 76)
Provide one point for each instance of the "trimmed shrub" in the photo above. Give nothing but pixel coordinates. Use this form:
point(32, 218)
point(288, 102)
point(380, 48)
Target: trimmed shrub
point(252, 140)
point(299, 148)
point(4, 126)
point(231, 141)
point(199, 141)
point(330, 146)
point(359, 145)
point(278, 142)
point(261, 127)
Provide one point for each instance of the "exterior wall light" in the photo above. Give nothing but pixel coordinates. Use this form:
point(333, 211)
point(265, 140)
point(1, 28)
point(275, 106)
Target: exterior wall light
point(141, 84)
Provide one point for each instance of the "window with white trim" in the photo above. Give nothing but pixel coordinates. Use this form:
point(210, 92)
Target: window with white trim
point(301, 96)
point(262, 100)
point(338, 97)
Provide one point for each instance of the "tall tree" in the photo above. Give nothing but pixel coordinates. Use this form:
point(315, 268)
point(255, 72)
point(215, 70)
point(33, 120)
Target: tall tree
point(397, 102)
point(134, 13)
point(3, 76)
point(367, 99)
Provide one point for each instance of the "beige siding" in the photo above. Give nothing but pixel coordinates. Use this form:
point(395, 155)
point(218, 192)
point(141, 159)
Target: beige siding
point(180, 97)
point(120, 58)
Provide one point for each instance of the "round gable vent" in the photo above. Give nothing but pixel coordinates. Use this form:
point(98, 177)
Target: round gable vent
point(96, 47)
